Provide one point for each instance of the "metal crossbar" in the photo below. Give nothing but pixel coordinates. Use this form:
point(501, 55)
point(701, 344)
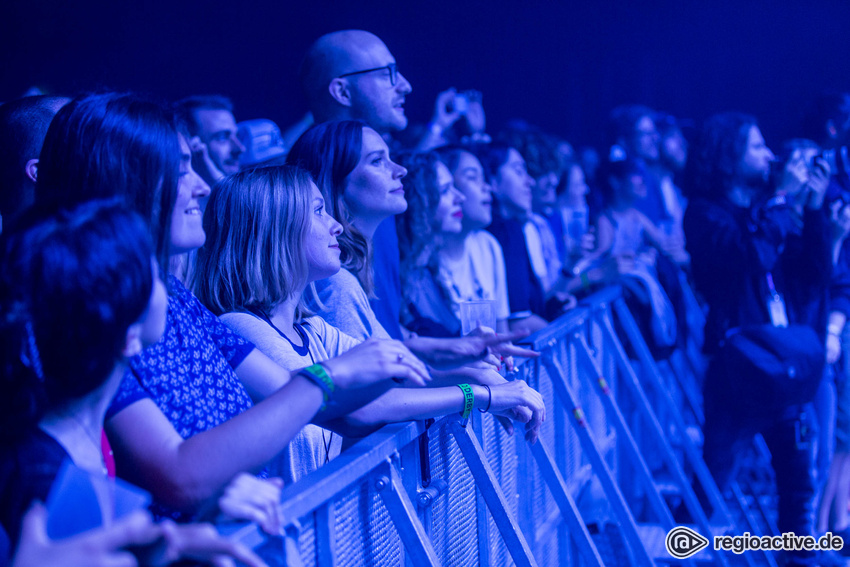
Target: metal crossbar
point(653, 376)
point(531, 502)
point(673, 464)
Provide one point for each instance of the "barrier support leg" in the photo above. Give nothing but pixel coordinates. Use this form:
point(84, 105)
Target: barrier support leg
point(486, 483)
point(417, 546)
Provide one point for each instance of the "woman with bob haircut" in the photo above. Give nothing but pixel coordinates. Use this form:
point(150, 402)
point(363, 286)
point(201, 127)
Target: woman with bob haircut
point(255, 280)
point(92, 267)
point(198, 407)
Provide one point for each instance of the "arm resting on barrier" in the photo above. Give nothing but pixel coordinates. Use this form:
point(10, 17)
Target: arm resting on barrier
point(186, 473)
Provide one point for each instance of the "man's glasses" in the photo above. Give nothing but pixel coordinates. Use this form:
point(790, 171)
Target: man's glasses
point(392, 68)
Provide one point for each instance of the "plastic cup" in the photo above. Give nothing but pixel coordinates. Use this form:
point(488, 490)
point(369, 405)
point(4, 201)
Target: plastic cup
point(80, 501)
point(477, 313)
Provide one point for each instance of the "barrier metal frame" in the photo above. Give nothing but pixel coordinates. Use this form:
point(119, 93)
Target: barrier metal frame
point(389, 462)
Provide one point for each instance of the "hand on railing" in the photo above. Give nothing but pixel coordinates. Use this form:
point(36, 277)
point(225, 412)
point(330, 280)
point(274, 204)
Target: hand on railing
point(375, 360)
point(518, 401)
point(130, 540)
point(250, 498)
point(481, 345)
point(500, 347)
point(200, 542)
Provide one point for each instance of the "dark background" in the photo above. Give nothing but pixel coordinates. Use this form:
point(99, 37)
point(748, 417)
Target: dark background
point(560, 65)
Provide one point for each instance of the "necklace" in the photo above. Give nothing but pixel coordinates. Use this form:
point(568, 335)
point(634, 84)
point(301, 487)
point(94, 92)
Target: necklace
point(302, 350)
point(94, 442)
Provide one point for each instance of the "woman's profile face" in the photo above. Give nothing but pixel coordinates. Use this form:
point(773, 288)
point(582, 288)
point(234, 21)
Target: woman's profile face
point(187, 231)
point(576, 184)
point(449, 214)
point(513, 183)
point(373, 189)
point(469, 180)
point(320, 242)
point(635, 185)
point(795, 174)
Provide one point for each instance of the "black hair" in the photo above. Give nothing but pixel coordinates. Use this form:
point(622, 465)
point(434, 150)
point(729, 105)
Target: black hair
point(186, 109)
point(415, 226)
point(623, 120)
point(492, 157)
point(828, 106)
point(23, 125)
point(70, 287)
point(618, 167)
point(113, 145)
point(540, 150)
point(714, 162)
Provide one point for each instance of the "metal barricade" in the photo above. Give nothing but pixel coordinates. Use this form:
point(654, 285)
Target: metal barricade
point(447, 493)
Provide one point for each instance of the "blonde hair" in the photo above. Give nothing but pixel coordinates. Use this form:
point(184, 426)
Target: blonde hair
point(254, 259)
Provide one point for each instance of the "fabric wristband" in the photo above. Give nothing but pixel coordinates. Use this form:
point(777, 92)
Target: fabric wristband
point(468, 400)
point(318, 374)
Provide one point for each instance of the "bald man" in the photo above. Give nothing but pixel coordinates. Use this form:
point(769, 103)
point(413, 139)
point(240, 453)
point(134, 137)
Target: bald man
point(351, 75)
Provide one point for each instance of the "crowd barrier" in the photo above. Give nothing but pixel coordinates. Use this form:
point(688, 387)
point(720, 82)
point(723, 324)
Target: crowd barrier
point(446, 492)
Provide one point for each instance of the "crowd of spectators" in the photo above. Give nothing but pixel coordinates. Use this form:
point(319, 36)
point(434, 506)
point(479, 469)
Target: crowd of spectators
point(211, 308)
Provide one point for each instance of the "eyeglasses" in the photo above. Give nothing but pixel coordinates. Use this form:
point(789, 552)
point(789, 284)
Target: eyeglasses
point(392, 68)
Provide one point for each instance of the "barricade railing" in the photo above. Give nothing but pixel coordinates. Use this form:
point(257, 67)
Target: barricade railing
point(452, 493)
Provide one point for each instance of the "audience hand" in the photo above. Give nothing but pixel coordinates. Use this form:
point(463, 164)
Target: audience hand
point(833, 348)
point(201, 542)
point(203, 164)
point(375, 360)
point(445, 110)
point(840, 221)
point(518, 401)
point(588, 241)
point(475, 117)
point(100, 547)
point(494, 346)
point(817, 184)
point(250, 498)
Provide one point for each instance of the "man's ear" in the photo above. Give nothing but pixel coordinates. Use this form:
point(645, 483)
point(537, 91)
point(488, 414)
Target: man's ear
point(133, 341)
point(340, 91)
point(31, 169)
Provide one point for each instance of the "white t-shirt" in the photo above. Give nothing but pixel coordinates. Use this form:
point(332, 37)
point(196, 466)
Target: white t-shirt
point(313, 445)
point(479, 273)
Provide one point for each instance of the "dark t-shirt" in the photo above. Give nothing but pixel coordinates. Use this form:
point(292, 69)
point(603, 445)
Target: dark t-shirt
point(27, 472)
point(525, 293)
point(385, 266)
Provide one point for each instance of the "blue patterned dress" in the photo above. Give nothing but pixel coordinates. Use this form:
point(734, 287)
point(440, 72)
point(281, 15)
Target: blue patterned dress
point(189, 374)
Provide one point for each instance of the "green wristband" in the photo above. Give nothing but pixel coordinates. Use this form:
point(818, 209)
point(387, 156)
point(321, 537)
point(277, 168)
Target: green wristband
point(468, 400)
point(319, 376)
